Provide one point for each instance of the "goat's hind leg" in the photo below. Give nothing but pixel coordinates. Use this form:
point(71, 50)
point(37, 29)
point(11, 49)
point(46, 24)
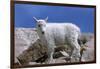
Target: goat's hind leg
point(75, 50)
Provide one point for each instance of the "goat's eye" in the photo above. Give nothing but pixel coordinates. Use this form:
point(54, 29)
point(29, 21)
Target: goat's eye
point(38, 25)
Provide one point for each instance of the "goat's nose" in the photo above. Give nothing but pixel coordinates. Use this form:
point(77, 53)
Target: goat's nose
point(42, 32)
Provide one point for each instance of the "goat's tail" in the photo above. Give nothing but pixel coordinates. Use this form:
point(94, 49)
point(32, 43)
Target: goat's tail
point(79, 37)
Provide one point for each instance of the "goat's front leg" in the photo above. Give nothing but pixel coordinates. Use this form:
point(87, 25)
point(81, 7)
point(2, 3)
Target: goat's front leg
point(50, 55)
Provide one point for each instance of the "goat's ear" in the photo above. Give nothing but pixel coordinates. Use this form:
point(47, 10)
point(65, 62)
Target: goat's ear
point(35, 18)
point(46, 18)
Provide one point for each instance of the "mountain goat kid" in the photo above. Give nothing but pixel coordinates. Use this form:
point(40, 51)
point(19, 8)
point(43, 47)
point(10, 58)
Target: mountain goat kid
point(59, 34)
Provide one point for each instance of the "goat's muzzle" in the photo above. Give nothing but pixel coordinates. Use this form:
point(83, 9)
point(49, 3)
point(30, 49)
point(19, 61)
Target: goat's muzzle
point(42, 32)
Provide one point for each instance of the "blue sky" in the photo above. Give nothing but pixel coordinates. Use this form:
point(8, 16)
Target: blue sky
point(83, 17)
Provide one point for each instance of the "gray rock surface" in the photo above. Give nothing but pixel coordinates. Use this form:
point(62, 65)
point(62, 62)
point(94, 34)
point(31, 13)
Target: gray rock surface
point(26, 37)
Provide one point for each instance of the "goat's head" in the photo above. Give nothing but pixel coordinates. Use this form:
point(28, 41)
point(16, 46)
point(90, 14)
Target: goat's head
point(41, 24)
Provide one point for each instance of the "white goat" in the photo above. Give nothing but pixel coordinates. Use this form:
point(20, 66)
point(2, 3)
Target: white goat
point(59, 34)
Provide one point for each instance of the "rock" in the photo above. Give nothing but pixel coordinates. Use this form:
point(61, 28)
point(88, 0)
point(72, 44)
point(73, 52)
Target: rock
point(33, 53)
point(28, 48)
